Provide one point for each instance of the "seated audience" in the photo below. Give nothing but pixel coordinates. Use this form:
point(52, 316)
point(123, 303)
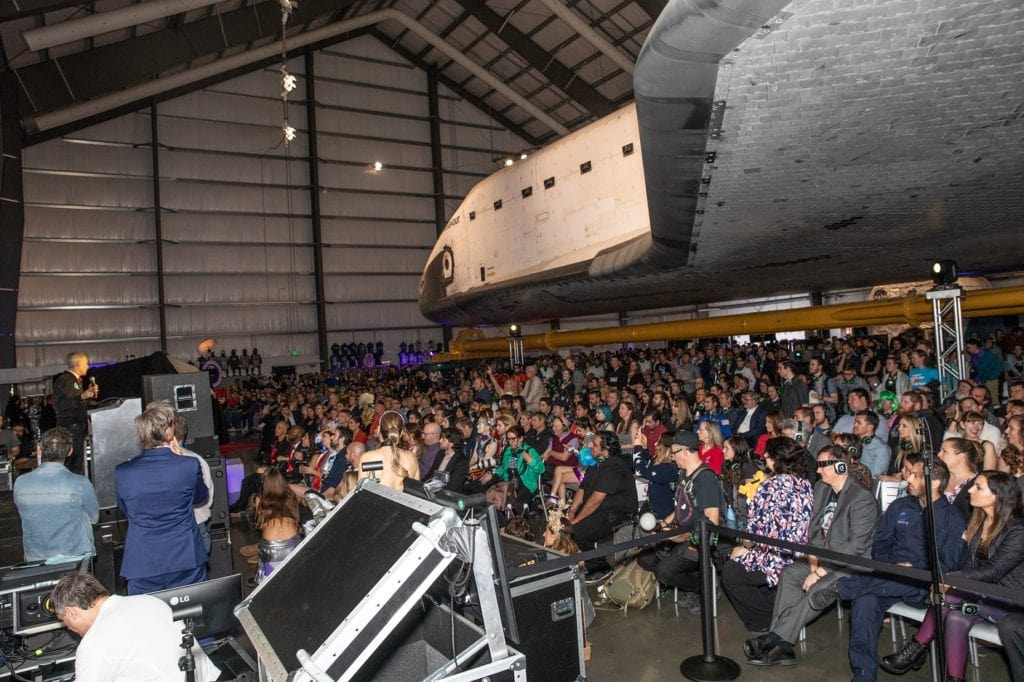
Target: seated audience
point(995, 554)
point(843, 520)
point(900, 538)
point(781, 509)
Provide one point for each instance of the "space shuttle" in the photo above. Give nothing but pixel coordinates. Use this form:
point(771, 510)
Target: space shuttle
point(584, 224)
point(573, 209)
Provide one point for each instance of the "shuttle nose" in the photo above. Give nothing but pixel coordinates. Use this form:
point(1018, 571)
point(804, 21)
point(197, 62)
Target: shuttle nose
point(432, 284)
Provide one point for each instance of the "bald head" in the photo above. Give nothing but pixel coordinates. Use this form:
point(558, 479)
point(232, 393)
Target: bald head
point(355, 452)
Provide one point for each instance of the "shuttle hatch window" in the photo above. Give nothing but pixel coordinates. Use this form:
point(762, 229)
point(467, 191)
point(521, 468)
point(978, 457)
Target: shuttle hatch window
point(527, 192)
point(549, 183)
point(585, 168)
point(497, 205)
point(472, 215)
point(627, 149)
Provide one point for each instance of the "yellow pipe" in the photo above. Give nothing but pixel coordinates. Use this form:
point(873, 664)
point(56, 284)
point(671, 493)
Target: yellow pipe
point(911, 310)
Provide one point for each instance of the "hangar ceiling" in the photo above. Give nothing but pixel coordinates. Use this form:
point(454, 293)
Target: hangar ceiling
point(856, 142)
point(533, 51)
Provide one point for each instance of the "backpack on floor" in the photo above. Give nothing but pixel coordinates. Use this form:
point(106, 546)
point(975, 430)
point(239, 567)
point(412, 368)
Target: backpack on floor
point(631, 586)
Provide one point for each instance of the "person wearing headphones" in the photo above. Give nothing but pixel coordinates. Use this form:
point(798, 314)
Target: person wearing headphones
point(607, 494)
point(843, 520)
point(875, 454)
point(899, 539)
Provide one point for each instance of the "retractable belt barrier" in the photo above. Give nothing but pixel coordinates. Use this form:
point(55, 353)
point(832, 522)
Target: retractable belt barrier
point(918, 575)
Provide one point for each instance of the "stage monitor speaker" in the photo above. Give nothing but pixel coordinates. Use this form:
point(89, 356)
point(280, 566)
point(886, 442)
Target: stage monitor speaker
point(221, 562)
point(113, 440)
point(219, 514)
point(188, 394)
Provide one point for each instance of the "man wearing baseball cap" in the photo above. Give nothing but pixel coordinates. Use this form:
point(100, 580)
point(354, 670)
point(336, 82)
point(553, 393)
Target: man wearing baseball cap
point(676, 562)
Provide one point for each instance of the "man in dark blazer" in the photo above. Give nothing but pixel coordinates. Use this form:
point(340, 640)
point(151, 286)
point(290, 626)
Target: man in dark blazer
point(156, 491)
point(843, 520)
point(69, 396)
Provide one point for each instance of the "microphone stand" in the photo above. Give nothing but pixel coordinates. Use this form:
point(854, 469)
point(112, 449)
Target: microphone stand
point(928, 455)
point(187, 663)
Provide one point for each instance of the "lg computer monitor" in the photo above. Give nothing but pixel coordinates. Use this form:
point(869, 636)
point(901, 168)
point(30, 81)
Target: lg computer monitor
point(218, 599)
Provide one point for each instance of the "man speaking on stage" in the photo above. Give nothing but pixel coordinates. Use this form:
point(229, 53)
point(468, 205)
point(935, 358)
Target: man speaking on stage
point(69, 396)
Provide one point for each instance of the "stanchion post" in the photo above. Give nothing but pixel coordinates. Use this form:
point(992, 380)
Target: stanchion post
point(708, 667)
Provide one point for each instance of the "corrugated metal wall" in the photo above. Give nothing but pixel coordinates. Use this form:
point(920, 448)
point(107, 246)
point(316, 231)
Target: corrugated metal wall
point(238, 253)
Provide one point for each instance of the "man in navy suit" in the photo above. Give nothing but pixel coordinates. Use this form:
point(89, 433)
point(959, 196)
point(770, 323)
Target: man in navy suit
point(157, 491)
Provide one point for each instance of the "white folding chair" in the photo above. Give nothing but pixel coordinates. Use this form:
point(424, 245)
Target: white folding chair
point(900, 611)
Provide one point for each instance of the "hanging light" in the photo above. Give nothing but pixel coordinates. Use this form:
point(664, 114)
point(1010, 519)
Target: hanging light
point(522, 157)
point(288, 81)
point(378, 166)
point(289, 132)
point(509, 162)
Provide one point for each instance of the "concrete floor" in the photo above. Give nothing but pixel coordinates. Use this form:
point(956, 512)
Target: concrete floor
point(648, 645)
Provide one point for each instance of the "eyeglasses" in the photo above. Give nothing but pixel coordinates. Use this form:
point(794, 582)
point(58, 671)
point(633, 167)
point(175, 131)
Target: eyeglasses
point(827, 463)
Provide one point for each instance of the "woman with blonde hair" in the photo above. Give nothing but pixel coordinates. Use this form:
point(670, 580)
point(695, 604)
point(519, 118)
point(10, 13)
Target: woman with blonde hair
point(1011, 458)
point(710, 435)
point(909, 429)
point(399, 463)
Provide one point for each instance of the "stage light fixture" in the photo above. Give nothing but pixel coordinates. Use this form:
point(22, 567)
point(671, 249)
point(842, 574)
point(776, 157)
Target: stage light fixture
point(944, 273)
point(514, 330)
point(509, 162)
point(378, 166)
point(289, 133)
point(288, 81)
point(522, 157)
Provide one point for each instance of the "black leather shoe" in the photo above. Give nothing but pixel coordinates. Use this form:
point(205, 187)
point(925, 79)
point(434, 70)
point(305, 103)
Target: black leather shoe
point(780, 654)
point(755, 648)
point(912, 655)
point(825, 597)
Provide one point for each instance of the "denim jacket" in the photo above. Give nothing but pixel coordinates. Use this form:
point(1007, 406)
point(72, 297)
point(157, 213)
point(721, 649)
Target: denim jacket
point(57, 510)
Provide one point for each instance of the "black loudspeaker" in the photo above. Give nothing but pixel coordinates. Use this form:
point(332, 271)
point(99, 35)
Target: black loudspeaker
point(106, 565)
point(188, 394)
point(221, 562)
point(548, 620)
point(219, 514)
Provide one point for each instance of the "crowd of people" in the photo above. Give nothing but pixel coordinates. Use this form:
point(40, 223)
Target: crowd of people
point(790, 441)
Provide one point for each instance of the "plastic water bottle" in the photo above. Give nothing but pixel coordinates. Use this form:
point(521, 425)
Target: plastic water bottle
point(730, 517)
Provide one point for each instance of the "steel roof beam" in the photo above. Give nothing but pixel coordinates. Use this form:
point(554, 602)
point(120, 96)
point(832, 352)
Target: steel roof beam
point(458, 89)
point(125, 63)
point(540, 59)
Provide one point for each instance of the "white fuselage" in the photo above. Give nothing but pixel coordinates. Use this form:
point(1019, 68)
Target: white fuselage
point(595, 200)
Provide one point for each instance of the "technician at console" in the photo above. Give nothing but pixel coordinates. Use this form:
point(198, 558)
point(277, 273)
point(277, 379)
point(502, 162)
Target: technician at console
point(157, 491)
point(57, 507)
point(123, 638)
